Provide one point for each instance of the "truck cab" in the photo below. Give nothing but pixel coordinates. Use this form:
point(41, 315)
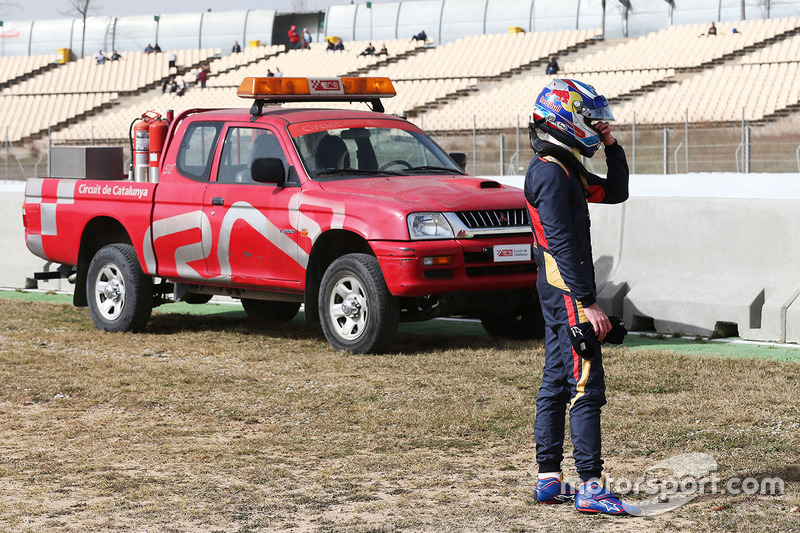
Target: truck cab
point(357, 215)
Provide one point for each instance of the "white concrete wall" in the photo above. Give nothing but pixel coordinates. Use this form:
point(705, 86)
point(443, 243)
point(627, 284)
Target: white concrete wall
point(687, 251)
point(691, 251)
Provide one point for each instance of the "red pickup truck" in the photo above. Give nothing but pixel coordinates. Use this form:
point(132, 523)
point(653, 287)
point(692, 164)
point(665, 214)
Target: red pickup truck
point(358, 215)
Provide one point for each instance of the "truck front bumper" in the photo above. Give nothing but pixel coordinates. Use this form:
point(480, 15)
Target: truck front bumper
point(421, 268)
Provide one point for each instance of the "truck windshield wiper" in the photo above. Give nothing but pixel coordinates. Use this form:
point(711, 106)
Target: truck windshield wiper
point(358, 171)
point(432, 168)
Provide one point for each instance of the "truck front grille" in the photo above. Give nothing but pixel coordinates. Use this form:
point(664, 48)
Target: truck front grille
point(494, 218)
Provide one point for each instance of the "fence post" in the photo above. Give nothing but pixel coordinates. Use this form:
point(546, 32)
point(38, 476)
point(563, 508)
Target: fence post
point(7, 154)
point(666, 151)
point(741, 144)
point(633, 135)
point(747, 151)
point(518, 154)
point(686, 138)
point(797, 157)
point(502, 153)
point(474, 145)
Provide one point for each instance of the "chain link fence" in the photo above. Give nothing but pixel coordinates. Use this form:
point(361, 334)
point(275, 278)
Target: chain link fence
point(744, 148)
point(757, 148)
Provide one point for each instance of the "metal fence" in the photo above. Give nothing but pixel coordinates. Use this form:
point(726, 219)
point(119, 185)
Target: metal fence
point(745, 148)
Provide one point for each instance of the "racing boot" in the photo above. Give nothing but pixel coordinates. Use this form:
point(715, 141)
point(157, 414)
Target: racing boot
point(554, 490)
point(594, 497)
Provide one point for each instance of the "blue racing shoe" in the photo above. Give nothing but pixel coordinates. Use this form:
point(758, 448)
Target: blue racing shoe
point(594, 497)
point(554, 490)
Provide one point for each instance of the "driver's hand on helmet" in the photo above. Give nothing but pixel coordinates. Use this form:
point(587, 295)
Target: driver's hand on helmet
point(604, 129)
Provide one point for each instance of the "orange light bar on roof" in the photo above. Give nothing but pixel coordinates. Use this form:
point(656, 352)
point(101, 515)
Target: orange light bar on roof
point(287, 89)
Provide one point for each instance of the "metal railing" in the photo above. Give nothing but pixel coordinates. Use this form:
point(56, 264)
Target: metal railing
point(740, 148)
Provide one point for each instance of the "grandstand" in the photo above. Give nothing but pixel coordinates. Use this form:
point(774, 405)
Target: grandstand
point(483, 82)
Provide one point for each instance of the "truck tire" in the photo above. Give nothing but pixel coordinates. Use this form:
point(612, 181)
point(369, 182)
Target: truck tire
point(524, 323)
point(268, 311)
point(119, 293)
point(356, 309)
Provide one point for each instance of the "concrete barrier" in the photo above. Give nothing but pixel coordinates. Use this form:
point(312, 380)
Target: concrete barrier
point(696, 253)
point(686, 254)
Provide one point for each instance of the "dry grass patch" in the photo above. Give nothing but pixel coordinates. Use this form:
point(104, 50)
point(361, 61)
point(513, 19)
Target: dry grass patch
point(204, 423)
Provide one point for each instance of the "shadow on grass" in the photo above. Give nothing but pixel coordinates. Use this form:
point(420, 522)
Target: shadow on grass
point(412, 337)
point(788, 473)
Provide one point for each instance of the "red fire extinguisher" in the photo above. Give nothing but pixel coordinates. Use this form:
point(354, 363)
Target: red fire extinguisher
point(158, 134)
point(148, 142)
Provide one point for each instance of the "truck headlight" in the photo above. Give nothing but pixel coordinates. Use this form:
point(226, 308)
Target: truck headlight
point(429, 226)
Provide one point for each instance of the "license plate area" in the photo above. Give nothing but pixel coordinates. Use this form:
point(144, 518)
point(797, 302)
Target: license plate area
point(506, 253)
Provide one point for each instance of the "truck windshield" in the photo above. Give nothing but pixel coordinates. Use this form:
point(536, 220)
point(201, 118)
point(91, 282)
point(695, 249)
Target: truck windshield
point(371, 151)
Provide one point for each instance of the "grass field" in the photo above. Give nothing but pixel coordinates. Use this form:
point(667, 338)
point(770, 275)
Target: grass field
point(204, 423)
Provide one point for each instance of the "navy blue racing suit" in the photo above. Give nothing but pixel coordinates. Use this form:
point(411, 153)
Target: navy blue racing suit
point(558, 189)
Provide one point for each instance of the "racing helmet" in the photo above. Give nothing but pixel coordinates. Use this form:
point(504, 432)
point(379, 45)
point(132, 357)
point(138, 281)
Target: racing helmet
point(566, 109)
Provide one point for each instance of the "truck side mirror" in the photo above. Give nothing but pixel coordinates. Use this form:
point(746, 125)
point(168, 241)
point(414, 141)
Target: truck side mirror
point(268, 170)
point(460, 159)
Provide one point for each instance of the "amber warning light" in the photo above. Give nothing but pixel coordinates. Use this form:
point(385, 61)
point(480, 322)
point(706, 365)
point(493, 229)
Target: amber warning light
point(276, 90)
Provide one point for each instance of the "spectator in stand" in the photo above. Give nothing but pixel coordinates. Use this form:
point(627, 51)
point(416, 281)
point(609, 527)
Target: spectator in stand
point(383, 51)
point(171, 57)
point(173, 86)
point(306, 38)
point(294, 38)
point(100, 58)
point(182, 86)
point(270, 74)
point(331, 45)
point(339, 45)
point(421, 36)
point(167, 83)
point(157, 49)
point(236, 48)
point(552, 66)
point(115, 56)
point(148, 49)
point(712, 30)
point(368, 51)
point(202, 76)
point(278, 73)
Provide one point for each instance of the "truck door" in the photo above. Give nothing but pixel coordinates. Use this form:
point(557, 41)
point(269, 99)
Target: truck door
point(180, 234)
point(254, 237)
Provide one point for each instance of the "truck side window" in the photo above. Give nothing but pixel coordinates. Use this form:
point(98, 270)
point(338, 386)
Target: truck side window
point(197, 150)
point(242, 146)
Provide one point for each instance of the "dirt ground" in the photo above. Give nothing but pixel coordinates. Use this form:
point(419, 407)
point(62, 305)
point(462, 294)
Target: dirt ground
point(207, 424)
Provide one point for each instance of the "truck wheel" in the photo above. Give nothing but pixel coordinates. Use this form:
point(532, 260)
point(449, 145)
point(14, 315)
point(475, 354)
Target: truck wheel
point(269, 311)
point(119, 293)
point(524, 323)
point(357, 311)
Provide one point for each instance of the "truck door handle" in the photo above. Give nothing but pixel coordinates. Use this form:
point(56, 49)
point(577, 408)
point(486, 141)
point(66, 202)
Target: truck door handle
point(218, 201)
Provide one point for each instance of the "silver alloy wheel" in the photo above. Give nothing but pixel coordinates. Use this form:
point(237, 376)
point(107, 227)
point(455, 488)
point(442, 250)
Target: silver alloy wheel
point(348, 308)
point(110, 291)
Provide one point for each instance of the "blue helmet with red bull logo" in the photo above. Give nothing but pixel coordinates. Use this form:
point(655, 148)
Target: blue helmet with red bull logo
point(567, 110)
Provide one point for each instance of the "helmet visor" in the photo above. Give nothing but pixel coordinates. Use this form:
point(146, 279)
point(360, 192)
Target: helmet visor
point(601, 110)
